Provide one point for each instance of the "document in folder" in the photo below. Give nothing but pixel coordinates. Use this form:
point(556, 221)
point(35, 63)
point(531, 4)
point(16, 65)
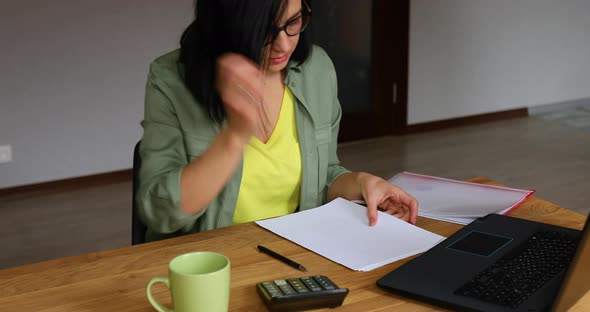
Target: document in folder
point(458, 201)
point(340, 231)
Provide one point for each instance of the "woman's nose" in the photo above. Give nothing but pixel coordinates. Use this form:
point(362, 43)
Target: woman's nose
point(282, 42)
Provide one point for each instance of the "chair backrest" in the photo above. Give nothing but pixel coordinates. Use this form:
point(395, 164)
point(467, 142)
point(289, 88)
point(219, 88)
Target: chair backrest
point(138, 229)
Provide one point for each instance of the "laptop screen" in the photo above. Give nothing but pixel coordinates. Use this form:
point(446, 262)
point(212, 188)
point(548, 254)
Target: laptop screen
point(577, 281)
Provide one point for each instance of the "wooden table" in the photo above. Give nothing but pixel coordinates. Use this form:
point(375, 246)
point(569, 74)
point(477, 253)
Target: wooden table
point(115, 280)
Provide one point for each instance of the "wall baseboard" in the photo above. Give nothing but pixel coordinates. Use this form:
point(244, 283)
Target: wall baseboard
point(127, 174)
point(467, 121)
point(71, 183)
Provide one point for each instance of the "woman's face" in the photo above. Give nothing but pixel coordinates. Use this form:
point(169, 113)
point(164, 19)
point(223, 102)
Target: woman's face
point(280, 50)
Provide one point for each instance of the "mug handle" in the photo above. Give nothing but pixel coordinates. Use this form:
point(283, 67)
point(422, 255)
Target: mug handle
point(148, 288)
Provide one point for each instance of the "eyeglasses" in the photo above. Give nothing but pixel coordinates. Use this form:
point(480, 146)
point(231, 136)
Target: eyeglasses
point(294, 26)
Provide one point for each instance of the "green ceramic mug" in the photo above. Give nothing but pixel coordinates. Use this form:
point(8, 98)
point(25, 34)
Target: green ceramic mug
point(198, 281)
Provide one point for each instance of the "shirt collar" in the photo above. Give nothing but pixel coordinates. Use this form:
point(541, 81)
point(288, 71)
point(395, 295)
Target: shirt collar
point(294, 80)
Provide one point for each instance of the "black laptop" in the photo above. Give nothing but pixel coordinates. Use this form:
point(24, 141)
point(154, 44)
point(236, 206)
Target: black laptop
point(500, 263)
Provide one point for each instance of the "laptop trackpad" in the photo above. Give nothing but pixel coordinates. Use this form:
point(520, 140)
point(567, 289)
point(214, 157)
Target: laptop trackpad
point(480, 243)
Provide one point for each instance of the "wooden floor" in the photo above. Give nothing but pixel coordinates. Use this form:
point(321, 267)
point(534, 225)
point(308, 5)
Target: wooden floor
point(532, 153)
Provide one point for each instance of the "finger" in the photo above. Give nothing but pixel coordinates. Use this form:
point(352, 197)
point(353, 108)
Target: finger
point(391, 207)
point(413, 210)
point(407, 215)
point(397, 209)
point(390, 212)
point(251, 89)
point(411, 204)
point(237, 68)
point(388, 207)
point(407, 212)
point(371, 211)
point(402, 215)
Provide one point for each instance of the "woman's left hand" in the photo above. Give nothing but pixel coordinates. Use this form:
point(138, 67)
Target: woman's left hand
point(380, 194)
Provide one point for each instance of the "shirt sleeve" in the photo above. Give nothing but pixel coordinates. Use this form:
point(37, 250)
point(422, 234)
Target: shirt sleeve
point(334, 167)
point(163, 158)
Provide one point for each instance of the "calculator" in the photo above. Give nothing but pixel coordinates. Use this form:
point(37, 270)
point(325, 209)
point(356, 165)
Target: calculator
point(304, 293)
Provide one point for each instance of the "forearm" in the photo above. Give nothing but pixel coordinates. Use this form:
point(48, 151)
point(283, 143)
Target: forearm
point(347, 186)
point(204, 178)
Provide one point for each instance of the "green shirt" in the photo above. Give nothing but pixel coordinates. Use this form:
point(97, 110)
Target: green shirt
point(177, 129)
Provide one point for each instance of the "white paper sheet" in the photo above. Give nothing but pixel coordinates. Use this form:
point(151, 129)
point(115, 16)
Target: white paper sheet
point(340, 231)
point(458, 201)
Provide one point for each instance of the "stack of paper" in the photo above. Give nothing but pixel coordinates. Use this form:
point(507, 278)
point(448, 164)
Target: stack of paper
point(458, 201)
point(340, 231)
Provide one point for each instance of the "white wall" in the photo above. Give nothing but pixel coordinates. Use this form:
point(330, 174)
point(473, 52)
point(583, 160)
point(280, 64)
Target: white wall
point(72, 73)
point(470, 57)
point(72, 77)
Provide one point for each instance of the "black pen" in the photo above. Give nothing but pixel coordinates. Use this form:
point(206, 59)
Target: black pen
point(284, 259)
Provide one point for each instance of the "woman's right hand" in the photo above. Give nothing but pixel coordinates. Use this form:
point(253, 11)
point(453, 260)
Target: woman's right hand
point(239, 83)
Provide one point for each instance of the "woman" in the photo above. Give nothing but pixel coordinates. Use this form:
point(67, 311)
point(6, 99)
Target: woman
point(241, 124)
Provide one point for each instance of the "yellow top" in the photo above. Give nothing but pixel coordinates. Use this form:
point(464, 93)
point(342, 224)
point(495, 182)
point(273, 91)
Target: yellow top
point(271, 178)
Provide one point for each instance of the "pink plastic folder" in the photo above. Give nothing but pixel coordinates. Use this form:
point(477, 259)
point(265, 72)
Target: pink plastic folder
point(458, 201)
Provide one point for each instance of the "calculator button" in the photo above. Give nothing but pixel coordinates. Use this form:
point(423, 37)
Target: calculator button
point(274, 294)
point(298, 285)
point(324, 282)
point(311, 284)
point(272, 290)
point(287, 289)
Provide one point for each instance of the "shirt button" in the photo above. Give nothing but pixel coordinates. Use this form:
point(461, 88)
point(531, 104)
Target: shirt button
point(292, 84)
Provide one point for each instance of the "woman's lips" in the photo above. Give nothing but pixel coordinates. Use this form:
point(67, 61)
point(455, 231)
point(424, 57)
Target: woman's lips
point(278, 60)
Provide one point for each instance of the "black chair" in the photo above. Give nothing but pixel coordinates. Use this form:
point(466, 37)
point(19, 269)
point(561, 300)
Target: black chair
point(138, 229)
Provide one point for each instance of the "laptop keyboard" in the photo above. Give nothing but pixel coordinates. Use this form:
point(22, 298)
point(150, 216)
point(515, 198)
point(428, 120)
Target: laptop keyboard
point(514, 277)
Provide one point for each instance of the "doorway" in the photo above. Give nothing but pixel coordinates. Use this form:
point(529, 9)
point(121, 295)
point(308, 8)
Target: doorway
point(368, 43)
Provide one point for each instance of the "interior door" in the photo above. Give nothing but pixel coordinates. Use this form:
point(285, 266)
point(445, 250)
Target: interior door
point(368, 43)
